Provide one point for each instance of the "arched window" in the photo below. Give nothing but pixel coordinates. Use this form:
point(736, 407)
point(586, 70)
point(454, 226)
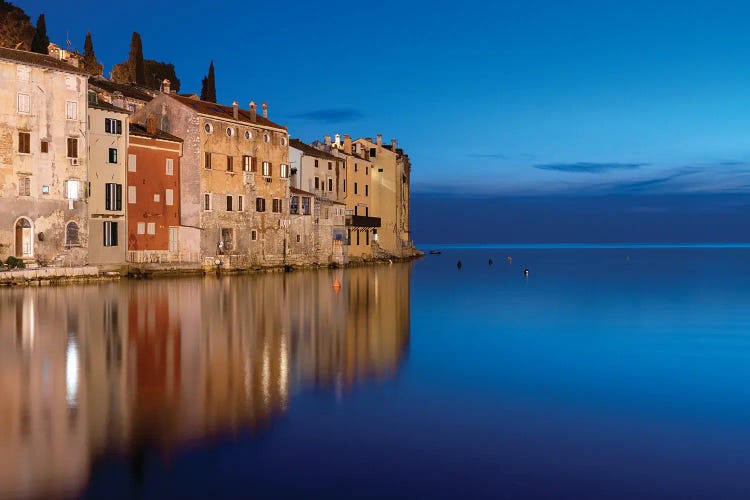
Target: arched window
point(71, 234)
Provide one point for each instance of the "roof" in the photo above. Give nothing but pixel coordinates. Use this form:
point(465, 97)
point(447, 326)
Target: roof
point(34, 59)
point(310, 150)
point(299, 191)
point(224, 112)
point(140, 131)
point(127, 89)
point(105, 106)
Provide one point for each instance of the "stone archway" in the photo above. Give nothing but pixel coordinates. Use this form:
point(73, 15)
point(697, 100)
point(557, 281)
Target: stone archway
point(24, 238)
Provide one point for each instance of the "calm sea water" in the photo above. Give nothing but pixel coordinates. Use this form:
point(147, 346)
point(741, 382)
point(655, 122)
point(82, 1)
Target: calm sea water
point(608, 372)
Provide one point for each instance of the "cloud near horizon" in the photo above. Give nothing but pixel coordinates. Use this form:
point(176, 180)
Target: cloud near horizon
point(330, 115)
point(588, 168)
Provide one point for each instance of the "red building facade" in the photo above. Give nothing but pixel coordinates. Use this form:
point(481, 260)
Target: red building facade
point(153, 194)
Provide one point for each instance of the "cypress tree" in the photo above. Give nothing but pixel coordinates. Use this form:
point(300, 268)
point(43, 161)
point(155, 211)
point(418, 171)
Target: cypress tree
point(208, 85)
point(41, 41)
point(90, 64)
point(136, 67)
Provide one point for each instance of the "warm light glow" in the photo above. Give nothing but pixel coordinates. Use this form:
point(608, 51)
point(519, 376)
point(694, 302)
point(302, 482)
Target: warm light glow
point(71, 373)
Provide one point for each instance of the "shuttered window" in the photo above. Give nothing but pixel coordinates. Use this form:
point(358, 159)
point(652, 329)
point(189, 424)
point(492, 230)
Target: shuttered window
point(113, 196)
point(24, 142)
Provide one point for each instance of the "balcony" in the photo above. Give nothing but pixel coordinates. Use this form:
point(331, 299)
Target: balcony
point(362, 221)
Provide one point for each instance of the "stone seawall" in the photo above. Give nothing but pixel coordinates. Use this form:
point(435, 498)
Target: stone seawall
point(55, 275)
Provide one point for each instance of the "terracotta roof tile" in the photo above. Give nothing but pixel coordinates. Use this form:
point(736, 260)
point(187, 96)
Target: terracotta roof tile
point(140, 131)
point(299, 191)
point(128, 89)
point(32, 58)
point(310, 150)
point(225, 112)
point(105, 106)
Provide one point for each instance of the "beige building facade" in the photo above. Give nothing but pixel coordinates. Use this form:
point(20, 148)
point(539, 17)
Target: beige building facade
point(234, 178)
point(107, 172)
point(43, 160)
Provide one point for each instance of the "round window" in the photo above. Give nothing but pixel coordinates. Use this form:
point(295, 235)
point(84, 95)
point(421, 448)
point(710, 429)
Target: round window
point(266, 138)
point(208, 128)
point(230, 131)
point(283, 141)
point(248, 135)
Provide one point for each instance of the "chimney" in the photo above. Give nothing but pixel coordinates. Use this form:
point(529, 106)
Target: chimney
point(394, 144)
point(337, 141)
point(165, 86)
point(236, 110)
point(347, 144)
point(327, 140)
point(380, 139)
point(151, 124)
point(253, 111)
point(265, 110)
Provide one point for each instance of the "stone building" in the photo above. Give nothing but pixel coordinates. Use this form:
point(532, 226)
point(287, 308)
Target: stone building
point(108, 149)
point(316, 230)
point(129, 96)
point(153, 195)
point(315, 170)
point(234, 177)
point(43, 159)
point(390, 186)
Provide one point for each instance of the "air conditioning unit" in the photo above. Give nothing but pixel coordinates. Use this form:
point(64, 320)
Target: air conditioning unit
point(74, 162)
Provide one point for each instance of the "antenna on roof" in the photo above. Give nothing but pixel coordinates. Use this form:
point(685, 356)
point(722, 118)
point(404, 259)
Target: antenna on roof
point(67, 40)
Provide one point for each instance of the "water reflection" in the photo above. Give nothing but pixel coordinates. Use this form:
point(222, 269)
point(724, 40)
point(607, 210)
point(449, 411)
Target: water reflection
point(124, 367)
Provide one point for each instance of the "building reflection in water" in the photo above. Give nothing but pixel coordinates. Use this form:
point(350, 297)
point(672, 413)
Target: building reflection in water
point(123, 367)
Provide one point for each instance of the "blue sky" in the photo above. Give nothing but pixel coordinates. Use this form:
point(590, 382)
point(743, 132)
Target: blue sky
point(519, 98)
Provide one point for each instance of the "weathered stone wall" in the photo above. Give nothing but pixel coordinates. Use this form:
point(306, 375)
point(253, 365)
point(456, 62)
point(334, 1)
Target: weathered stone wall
point(46, 207)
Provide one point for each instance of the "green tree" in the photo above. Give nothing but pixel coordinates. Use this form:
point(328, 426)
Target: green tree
point(90, 64)
point(16, 30)
point(41, 41)
point(208, 85)
point(136, 66)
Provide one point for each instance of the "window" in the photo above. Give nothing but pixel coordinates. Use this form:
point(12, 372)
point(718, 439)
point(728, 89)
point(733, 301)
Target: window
point(283, 140)
point(170, 166)
point(70, 83)
point(113, 155)
point(366, 170)
point(110, 234)
point(356, 167)
point(248, 135)
point(248, 164)
point(24, 103)
point(357, 238)
point(239, 203)
point(348, 236)
point(367, 237)
point(230, 163)
point(367, 190)
point(141, 228)
point(207, 161)
point(277, 205)
point(24, 186)
point(372, 152)
point(267, 169)
point(330, 165)
point(284, 168)
point(266, 138)
point(157, 198)
point(71, 189)
point(229, 203)
point(253, 235)
point(72, 149)
point(208, 128)
point(260, 204)
point(44, 147)
point(22, 73)
point(298, 238)
point(316, 163)
point(131, 163)
point(71, 110)
point(345, 185)
point(169, 197)
point(71, 234)
point(306, 205)
point(230, 131)
point(367, 211)
point(330, 185)
point(131, 194)
point(356, 209)
point(112, 196)
point(317, 183)
point(113, 126)
point(131, 107)
point(294, 205)
point(355, 188)
point(226, 238)
point(45, 189)
point(151, 228)
point(24, 142)
point(207, 202)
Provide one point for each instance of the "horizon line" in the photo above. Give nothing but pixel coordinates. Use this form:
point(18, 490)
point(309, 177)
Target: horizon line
point(573, 246)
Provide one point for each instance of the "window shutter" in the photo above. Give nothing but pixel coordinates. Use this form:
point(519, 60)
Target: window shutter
point(253, 164)
point(118, 205)
point(107, 197)
point(114, 233)
point(270, 169)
